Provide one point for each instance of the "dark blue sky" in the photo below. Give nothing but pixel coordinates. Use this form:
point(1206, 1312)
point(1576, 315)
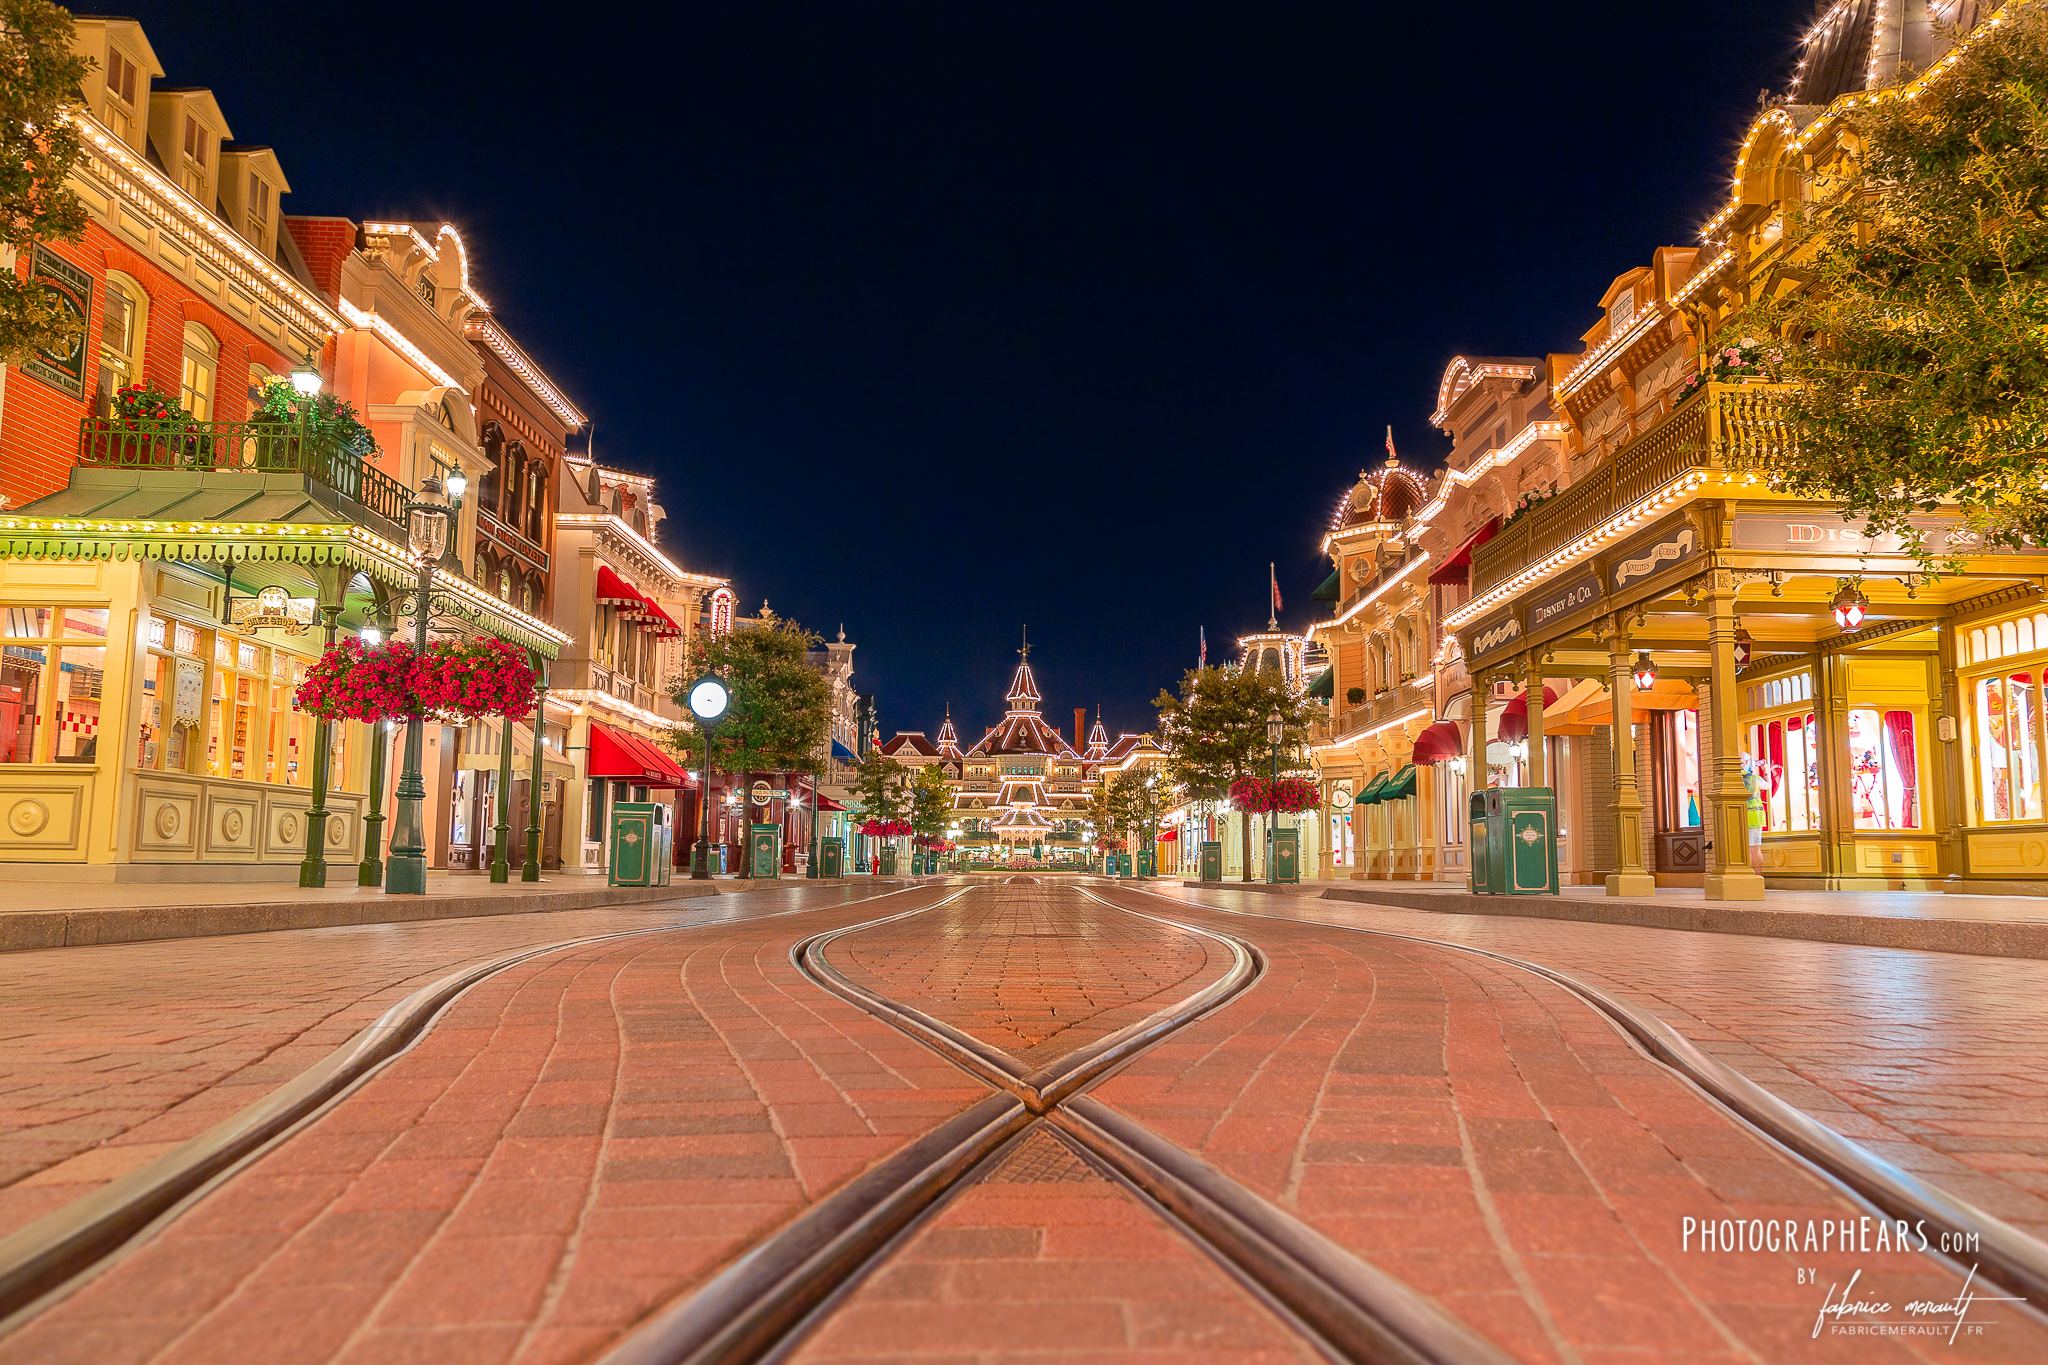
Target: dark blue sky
point(939, 319)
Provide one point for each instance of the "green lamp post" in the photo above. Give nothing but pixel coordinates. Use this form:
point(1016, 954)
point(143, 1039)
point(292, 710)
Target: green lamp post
point(427, 520)
point(708, 700)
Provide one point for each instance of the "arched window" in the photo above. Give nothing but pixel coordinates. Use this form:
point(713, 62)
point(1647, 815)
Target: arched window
point(259, 379)
point(202, 364)
point(504, 585)
point(526, 602)
point(124, 321)
point(536, 499)
point(515, 484)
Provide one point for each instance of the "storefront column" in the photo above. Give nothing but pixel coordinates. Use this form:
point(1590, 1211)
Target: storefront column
point(313, 870)
point(1729, 875)
point(501, 840)
point(1475, 770)
point(1535, 770)
point(1629, 877)
point(1952, 851)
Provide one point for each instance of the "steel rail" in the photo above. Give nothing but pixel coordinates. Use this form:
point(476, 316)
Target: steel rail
point(49, 1257)
point(2009, 1257)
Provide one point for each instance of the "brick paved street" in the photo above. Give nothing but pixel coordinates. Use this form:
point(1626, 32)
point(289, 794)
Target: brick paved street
point(111, 1055)
point(1932, 1060)
point(596, 1133)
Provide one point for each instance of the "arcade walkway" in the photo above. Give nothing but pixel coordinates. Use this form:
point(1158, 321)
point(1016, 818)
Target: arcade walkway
point(1018, 1120)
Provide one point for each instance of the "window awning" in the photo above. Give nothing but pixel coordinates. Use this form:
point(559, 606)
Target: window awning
point(1401, 784)
point(658, 621)
point(1332, 589)
point(614, 591)
point(842, 753)
point(1374, 791)
point(1458, 568)
point(625, 757)
point(1514, 717)
point(1325, 685)
point(1439, 742)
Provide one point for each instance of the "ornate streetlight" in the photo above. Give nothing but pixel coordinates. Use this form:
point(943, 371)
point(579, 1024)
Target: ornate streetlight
point(427, 519)
point(708, 700)
point(1275, 729)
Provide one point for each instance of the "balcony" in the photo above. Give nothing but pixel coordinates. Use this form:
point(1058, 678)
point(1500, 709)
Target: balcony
point(1724, 426)
point(180, 445)
point(1411, 696)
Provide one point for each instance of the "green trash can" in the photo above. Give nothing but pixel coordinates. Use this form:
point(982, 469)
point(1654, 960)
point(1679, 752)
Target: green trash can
point(1528, 832)
point(764, 852)
point(1145, 862)
point(832, 856)
point(639, 850)
point(1285, 863)
point(888, 860)
point(1488, 853)
point(1212, 861)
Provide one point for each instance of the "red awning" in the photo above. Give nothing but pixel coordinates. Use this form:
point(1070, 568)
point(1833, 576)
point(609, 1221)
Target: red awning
point(1458, 568)
point(614, 591)
point(626, 757)
point(827, 803)
point(657, 621)
point(1439, 742)
point(1514, 717)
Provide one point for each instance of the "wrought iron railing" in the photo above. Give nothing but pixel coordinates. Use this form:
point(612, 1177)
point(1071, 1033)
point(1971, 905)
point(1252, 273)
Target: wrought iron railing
point(246, 447)
point(1724, 426)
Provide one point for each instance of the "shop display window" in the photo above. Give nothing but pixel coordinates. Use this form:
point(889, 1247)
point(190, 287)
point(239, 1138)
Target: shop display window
point(1884, 769)
point(1785, 753)
point(2008, 749)
point(81, 675)
point(21, 692)
point(53, 663)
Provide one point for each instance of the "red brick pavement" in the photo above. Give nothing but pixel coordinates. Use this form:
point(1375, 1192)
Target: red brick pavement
point(110, 1056)
point(1488, 1138)
point(581, 1137)
point(1032, 969)
point(1046, 1258)
point(1931, 1060)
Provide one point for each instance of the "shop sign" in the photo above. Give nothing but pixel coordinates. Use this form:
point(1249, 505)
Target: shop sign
point(62, 367)
point(272, 609)
point(1944, 535)
point(763, 793)
point(1495, 635)
point(1566, 598)
point(1654, 553)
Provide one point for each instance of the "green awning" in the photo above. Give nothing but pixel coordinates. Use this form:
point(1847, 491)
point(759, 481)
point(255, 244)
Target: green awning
point(1374, 791)
point(1332, 589)
point(1400, 784)
point(1325, 685)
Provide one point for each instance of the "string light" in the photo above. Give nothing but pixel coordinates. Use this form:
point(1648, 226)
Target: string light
point(1470, 372)
point(515, 359)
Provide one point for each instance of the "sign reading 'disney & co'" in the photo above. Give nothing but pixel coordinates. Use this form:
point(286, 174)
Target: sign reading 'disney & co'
point(1552, 603)
point(1823, 534)
point(1495, 634)
point(1675, 542)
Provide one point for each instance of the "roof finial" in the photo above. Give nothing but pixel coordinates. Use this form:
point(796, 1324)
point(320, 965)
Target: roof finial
point(842, 632)
point(1392, 459)
point(1025, 652)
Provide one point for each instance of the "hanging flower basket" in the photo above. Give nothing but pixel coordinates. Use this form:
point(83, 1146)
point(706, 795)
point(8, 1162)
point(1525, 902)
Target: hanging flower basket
point(479, 677)
point(353, 682)
point(393, 682)
point(1265, 796)
point(884, 829)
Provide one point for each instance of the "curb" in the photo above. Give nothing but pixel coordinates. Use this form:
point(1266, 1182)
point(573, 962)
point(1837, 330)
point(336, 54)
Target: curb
point(26, 931)
point(1973, 938)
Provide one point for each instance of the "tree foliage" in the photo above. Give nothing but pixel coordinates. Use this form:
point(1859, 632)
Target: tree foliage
point(880, 784)
point(1919, 336)
point(39, 145)
point(1133, 801)
point(931, 802)
point(1214, 732)
point(781, 710)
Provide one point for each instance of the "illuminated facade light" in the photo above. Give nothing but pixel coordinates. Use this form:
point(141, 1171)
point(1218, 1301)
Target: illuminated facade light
point(1850, 607)
point(1645, 671)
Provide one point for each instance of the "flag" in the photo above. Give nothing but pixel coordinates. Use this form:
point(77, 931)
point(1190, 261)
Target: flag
point(1392, 458)
point(1278, 606)
point(1203, 662)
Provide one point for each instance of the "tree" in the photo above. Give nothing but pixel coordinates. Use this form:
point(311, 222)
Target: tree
point(1214, 732)
point(931, 803)
point(39, 145)
point(1133, 800)
point(1919, 340)
point(878, 784)
point(781, 708)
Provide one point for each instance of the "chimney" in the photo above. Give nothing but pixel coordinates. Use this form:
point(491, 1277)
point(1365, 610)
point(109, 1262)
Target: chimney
point(1080, 727)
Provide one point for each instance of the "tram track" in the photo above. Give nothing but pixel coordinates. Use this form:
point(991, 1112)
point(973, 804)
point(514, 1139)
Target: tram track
point(2002, 1253)
point(44, 1262)
point(760, 1308)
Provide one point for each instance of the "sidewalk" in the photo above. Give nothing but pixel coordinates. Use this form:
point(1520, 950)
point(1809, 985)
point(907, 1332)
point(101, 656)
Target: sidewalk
point(73, 914)
point(1926, 921)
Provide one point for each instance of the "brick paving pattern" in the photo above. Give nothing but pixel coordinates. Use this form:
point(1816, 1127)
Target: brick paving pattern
point(1047, 1259)
point(1486, 1137)
point(587, 1135)
point(111, 1055)
point(581, 1138)
point(1033, 969)
point(1931, 1060)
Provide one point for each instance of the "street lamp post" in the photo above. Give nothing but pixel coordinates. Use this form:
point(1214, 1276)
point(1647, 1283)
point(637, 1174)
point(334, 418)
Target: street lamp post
point(1275, 729)
point(427, 518)
point(708, 700)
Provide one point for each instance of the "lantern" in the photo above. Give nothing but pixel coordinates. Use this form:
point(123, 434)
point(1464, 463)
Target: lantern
point(1850, 607)
point(1743, 648)
point(1645, 671)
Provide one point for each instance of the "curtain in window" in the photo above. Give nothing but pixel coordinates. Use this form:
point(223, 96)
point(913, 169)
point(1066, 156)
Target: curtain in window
point(1903, 762)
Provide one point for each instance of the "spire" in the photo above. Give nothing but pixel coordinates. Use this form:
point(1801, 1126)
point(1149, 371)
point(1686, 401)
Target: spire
point(1023, 694)
point(949, 738)
point(1098, 738)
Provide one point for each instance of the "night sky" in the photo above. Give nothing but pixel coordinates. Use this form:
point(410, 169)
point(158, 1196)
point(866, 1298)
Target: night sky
point(941, 319)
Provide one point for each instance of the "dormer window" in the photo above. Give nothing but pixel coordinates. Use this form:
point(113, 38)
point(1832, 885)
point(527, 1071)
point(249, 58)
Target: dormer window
point(120, 77)
point(195, 140)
